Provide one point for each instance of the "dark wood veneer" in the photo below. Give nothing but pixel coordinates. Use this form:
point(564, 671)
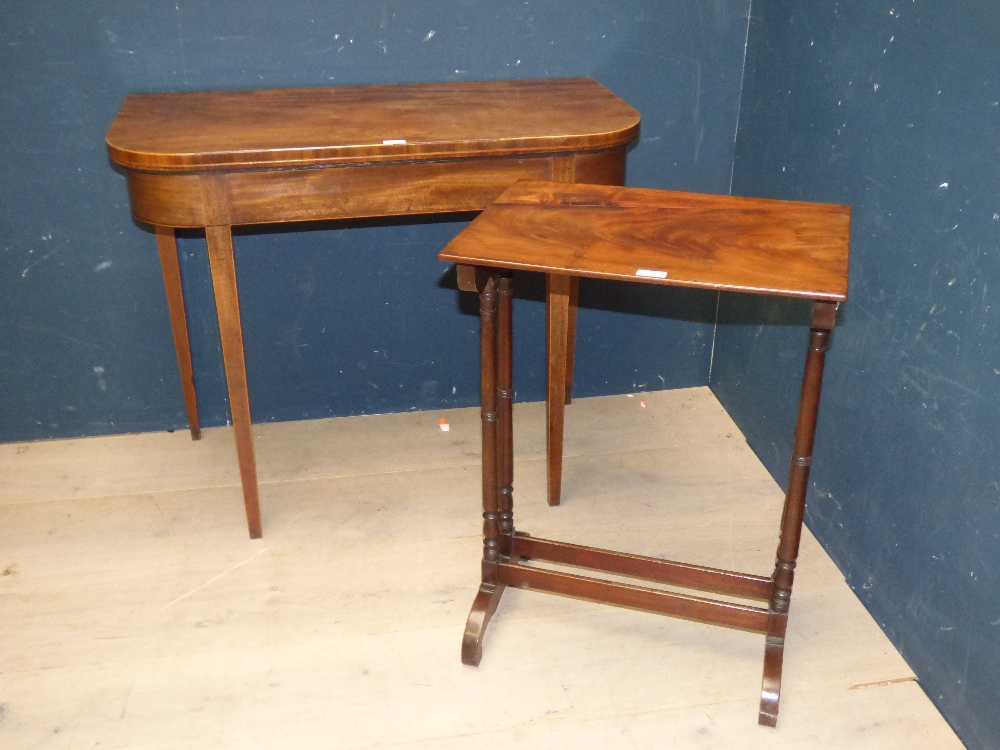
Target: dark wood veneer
point(217, 159)
point(648, 236)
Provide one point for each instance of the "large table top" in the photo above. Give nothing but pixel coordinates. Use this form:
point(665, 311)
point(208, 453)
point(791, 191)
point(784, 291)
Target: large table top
point(310, 127)
point(722, 242)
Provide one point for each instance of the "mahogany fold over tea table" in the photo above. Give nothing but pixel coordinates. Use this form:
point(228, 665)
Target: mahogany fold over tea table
point(681, 239)
point(217, 159)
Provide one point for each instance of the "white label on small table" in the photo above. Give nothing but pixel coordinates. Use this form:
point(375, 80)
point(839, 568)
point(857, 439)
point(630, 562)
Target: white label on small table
point(651, 274)
point(394, 142)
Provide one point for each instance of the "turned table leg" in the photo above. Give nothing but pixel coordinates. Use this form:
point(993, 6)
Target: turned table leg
point(505, 410)
point(791, 519)
point(220, 254)
point(493, 461)
point(166, 243)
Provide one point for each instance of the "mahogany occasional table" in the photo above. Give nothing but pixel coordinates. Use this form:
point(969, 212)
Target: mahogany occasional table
point(218, 159)
point(681, 239)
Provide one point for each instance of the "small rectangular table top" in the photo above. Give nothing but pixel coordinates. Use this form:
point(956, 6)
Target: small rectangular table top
point(308, 127)
point(722, 242)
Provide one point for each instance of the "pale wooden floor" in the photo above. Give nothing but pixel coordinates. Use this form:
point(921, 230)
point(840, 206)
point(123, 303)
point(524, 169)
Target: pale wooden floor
point(137, 613)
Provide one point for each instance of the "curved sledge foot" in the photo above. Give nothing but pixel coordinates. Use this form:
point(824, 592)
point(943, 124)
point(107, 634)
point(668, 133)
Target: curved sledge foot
point(483, 607)
point(770, 691)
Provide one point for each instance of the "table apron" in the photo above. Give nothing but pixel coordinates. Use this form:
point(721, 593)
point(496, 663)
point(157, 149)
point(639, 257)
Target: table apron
point(354, 191)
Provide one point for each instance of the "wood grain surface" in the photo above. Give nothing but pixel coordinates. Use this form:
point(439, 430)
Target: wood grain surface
point(225, 130)
point(682, 239)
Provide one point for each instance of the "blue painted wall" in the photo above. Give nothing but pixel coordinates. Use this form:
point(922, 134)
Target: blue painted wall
point(337, 321)
point(893, 108)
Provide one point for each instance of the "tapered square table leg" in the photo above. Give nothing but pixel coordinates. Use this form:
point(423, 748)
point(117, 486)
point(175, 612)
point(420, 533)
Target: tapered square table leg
point(220, 254)
point(166, 243)
point(558, 298)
